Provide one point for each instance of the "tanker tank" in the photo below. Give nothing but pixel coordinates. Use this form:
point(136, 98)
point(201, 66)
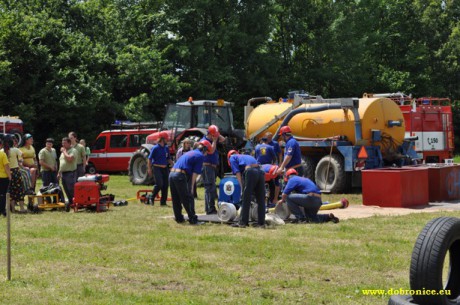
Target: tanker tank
point(375, 114)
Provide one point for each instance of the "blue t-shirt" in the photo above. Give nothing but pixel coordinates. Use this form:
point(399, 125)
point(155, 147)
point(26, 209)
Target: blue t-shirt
point(300, 185)
point(211, 158)
point(276, 147)
point(292, 148)
point(239, 162)
point(265, 154)
point(191, 162)
point(159, 155)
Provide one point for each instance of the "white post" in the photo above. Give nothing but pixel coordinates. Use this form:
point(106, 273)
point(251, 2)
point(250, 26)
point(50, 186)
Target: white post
point(8, 237)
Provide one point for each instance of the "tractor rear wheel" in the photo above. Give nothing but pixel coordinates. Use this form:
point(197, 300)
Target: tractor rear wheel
point(309, 166)
point(330, 174)
point(138, 171)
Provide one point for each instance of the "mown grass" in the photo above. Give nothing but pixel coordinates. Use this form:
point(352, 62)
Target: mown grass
point(134, 255)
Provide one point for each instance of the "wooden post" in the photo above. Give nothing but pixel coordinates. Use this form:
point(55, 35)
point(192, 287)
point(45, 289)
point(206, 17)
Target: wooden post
point(8, 237)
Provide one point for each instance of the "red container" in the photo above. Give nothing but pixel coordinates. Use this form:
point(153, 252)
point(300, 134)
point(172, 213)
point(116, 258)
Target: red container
point(444, 182)
point(395, 187)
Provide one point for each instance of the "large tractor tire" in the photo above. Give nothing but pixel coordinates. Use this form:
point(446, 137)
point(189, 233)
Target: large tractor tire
point(138, 171)
point(309, 166)
point(330, 174)
point(435, 262)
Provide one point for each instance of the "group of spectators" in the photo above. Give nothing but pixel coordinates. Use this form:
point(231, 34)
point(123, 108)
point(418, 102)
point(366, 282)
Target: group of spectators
point(252, 172)
point(19, 167)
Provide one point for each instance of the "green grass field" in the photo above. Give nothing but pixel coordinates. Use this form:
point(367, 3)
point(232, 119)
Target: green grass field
point(133, 255)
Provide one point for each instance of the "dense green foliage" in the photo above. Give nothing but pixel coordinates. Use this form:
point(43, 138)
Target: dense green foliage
point(81, 64)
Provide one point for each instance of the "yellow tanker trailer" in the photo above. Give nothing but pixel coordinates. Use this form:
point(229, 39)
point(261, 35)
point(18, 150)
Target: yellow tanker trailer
point(332, 134)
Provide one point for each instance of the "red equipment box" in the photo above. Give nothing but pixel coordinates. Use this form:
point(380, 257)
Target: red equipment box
point(395, 187)
point(87, 193)
point(444, 180)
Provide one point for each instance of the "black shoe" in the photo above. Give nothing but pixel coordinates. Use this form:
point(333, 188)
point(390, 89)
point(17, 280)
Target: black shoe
point(180, 220)
point(299, 220)
point(258, 225)
point(333, 218)
point(198, 223)
point(238, 225)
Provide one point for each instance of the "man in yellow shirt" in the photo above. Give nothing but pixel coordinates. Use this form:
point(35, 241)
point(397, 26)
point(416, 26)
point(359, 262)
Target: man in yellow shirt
point(80, 154)
point(30, 158)
point(5, 177)
point(68, 168)
point(47, 158)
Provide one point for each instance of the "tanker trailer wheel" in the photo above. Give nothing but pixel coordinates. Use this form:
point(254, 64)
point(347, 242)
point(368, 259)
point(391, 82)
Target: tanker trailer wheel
point(435, 262)
point(309, 166)
point(138, 173)
point(333, 179)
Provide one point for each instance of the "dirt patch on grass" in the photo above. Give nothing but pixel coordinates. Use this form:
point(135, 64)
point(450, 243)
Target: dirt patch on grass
point(362, 211)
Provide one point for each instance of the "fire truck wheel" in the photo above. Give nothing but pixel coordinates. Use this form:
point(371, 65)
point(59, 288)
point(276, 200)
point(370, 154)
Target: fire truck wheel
point(91, 169)
point(401, 300)
point(330, 174)
point(309, 166)
point(138, 172)
point(435, 263)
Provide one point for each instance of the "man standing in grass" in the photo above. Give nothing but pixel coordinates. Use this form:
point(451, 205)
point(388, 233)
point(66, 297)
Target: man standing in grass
point(159, 158)
point(47, 158)
point(68, 168)
point(80, 155)
point(252, 181)
point(182, 180)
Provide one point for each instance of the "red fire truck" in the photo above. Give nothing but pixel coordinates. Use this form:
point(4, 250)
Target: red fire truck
point(430, 120)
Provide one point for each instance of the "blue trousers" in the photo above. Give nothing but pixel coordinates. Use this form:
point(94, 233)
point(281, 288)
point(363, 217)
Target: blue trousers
point(210, 193)
point(161, 183)
point(182, 196)
point(306, 207)
point(253, 185)
point(68, 182)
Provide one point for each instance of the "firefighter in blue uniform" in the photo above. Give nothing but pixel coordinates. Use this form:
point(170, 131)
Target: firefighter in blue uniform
point(264, 153)
point(292, 154)
point(210, 163)
point(182, 180)
point(272, 179)
point(251, 178)
point(303, 198)
point(159, 158)
point(275, 145)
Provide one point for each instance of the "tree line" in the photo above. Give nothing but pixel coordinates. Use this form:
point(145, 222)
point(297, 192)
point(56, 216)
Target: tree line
point(81, 64)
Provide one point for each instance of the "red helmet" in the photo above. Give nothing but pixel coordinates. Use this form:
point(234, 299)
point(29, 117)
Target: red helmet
point(206, 144)
point(213, 130)
point(229, 154)
point(164, 135)
point(291, 171)
point(271, 173)
point(285, 129)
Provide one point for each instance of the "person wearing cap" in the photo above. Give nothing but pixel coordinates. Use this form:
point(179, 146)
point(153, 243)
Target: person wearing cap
point(159, 158)
point(264, 153)
point(210, 163)
point(68, 168)
point(29, 158)
point(272, 179)
point(48, 164)
point(275, 145)
point(252, 180)
point(80, 155)
point(303, 198)
point(5, 177)
point(292, 153)
point(182, 179)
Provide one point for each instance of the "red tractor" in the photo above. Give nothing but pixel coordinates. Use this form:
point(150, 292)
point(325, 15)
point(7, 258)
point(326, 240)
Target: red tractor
point(189, 119)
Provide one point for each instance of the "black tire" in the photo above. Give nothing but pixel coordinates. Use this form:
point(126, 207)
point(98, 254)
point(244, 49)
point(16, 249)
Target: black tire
point(91, 169)
point(309, 166)
point(138, 172)
point(439, 237)
point(336, 181)
point(401, 300)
